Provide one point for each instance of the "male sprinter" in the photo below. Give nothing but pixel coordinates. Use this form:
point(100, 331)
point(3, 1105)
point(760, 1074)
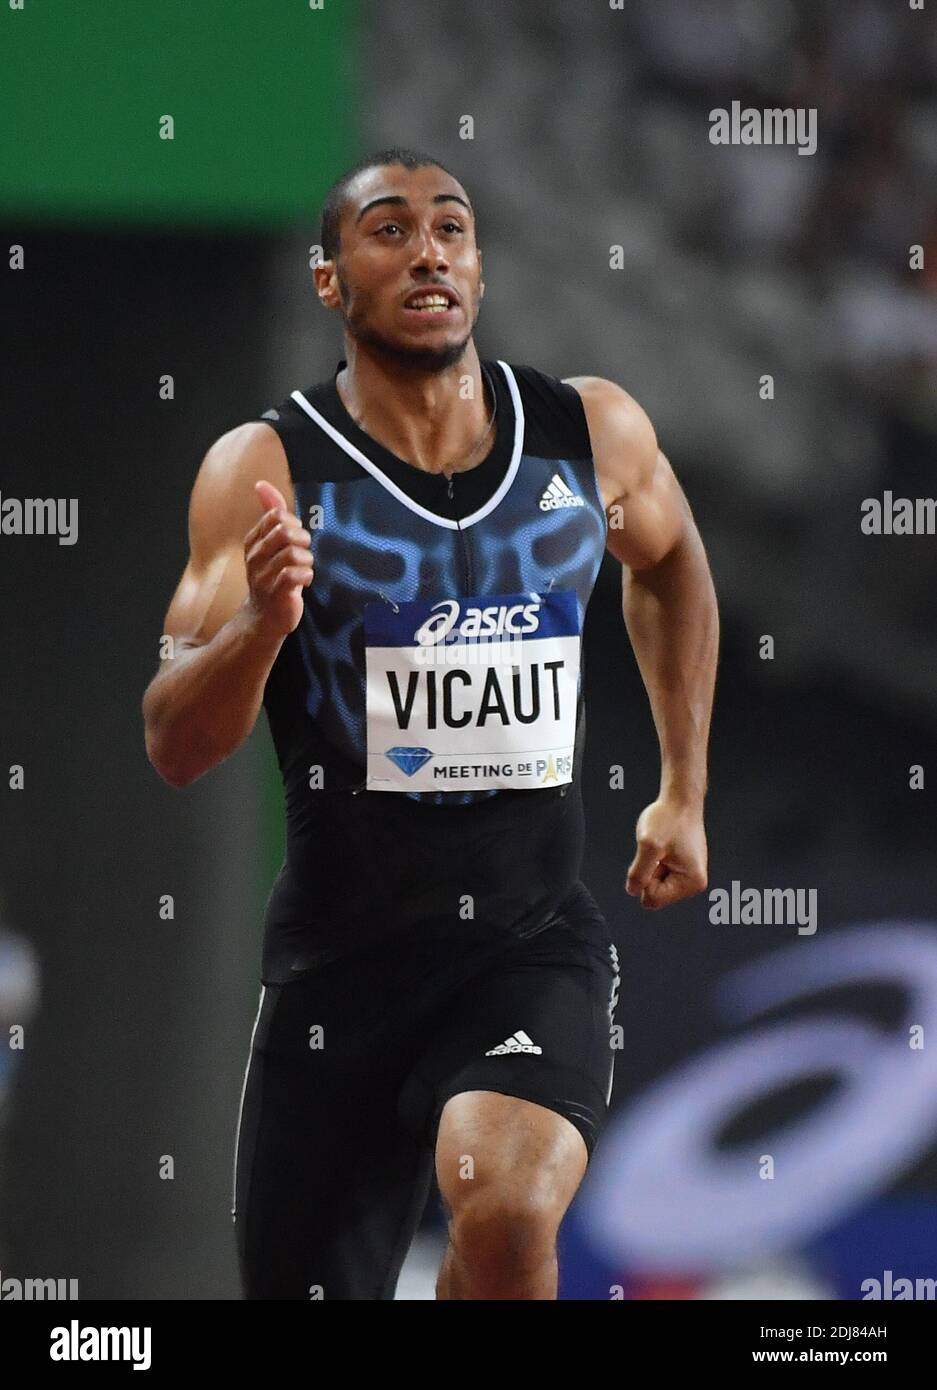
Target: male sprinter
point(396, 563)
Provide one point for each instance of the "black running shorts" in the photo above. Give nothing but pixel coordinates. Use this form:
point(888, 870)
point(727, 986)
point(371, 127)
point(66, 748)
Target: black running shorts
point(352, 1061)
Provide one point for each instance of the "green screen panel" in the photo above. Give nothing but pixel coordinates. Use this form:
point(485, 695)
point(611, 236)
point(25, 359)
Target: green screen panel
point(262, 94)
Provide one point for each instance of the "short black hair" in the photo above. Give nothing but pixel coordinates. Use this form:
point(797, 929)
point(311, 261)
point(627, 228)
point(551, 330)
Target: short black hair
point(335, 198)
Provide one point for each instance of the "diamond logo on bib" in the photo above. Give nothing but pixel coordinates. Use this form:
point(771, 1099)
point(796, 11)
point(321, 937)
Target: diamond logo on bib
point(471, 694)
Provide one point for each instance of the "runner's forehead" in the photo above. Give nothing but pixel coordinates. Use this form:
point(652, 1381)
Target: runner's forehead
point(391, 186)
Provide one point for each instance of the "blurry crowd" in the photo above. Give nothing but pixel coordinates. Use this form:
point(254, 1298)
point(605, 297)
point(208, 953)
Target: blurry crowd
point(845, 219)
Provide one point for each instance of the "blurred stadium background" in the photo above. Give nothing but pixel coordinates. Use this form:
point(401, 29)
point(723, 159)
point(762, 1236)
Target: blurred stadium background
point(146, 257)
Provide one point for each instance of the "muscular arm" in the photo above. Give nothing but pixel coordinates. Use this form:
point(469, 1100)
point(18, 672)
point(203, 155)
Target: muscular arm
point(240, 594)
point(670, 610)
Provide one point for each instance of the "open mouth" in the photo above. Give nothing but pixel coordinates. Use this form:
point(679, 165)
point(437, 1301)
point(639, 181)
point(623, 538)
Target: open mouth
point(431, 304)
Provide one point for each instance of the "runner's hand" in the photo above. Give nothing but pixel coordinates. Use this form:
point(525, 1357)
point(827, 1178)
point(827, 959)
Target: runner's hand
point(671, 861)
point(279, 564)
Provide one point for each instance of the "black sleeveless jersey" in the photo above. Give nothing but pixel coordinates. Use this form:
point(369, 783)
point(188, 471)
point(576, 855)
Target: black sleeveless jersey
point(427, 712)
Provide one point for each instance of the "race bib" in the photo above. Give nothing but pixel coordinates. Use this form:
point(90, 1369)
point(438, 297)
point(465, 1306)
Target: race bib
point(470, 694)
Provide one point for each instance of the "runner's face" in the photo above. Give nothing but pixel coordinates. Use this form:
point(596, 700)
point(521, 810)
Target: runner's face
point(403, 232)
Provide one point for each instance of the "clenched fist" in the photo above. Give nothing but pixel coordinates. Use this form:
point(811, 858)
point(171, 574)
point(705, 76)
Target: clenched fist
point(671, 862)
point(278, 559)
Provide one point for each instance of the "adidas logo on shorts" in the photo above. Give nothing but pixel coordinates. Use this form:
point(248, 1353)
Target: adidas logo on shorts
point(559, 495)
point(517, 1042)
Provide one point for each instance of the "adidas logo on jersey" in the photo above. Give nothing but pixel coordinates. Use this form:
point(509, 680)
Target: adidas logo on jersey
point(559, 495)
point(517, 1042)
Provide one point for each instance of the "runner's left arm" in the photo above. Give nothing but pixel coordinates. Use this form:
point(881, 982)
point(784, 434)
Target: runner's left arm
point(671, 614)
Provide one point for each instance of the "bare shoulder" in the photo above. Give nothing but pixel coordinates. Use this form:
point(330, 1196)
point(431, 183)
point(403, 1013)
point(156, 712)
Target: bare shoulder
point(624, 443)
point(224, 504)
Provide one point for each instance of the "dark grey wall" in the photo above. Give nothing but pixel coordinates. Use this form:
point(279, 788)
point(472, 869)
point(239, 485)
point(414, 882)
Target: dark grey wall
point(140, 1039)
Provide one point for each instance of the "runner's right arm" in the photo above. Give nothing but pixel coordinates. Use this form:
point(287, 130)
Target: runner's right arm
point(240, 595)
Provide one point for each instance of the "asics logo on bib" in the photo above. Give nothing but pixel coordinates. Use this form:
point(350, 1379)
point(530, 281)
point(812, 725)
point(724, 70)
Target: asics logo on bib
point(485, 721)
point(477, 622)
